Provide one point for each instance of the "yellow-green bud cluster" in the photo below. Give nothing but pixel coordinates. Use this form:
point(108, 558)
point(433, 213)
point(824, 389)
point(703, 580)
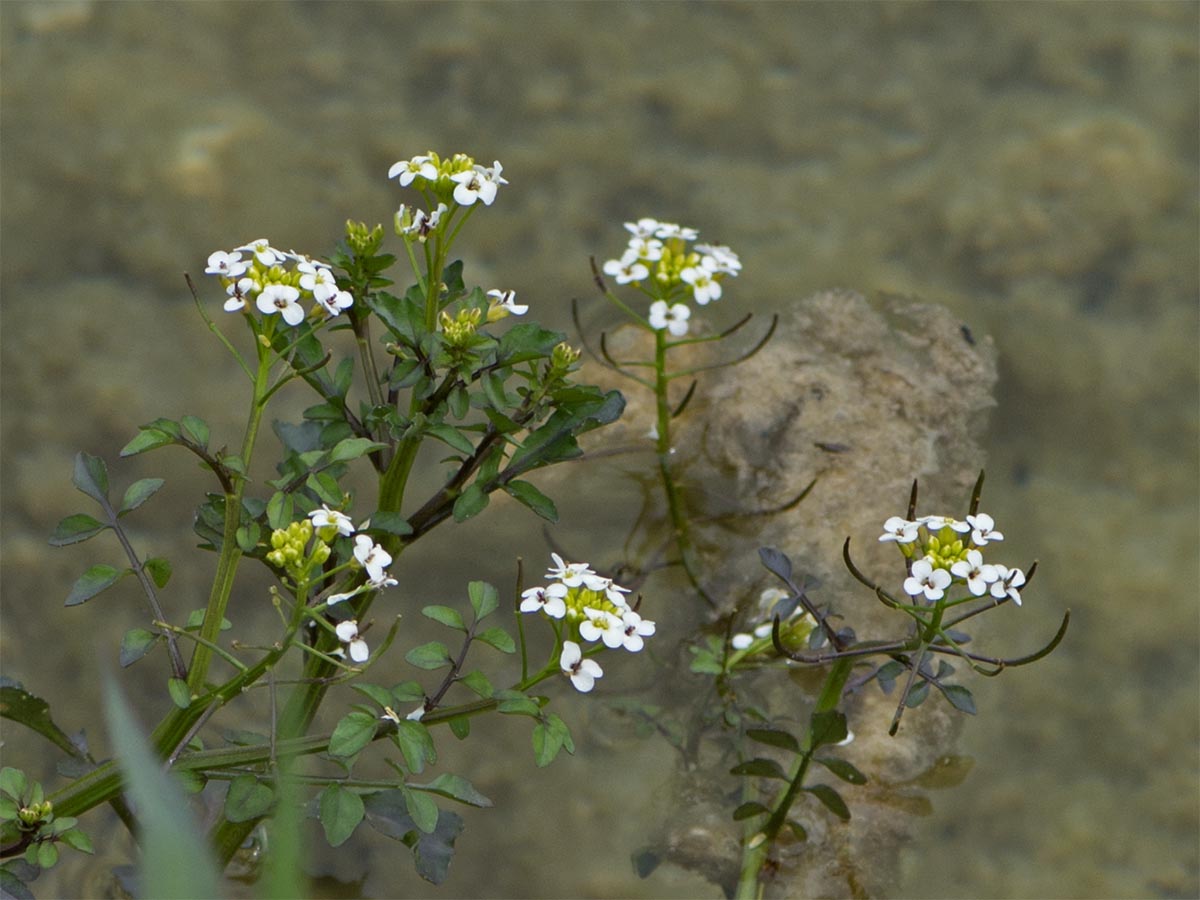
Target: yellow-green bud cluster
point(563, 357)
point(35, 813)
point(290, 549)
point(460, 330)
point(362, 240)
point(578, 598)
point(674, 260)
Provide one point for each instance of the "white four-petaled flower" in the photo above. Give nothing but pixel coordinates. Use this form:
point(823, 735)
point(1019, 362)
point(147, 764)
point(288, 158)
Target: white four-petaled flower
point(633, 629)
point(975, 572)
point(1007, 584)
point(347, 633)
point(583, 672)
point(371, 556)
point(626, 270)
point(507, 300)
point(982, 529)
point(231, 265)
point(263, 252)
point(408, 169)
point(673, 318)
point(324, 517)
point(899, 530)
point(927, 580)
point(704, 287)
point(602, 626)
point(548, 599)
point(282, 299)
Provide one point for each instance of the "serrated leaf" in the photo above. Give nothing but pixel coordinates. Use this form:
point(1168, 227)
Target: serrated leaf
point(831, 799)
point(180, 695)
point(195, 430)
point(456, 788)
point(353, 732)
point(76, 528)
point(340, 812)
point(432, 655)
point(446, 616)
point(484, 599)
point(159, 570)
point(470, 502)
point(761, 768)
point(353, 448)
point(92, 582)
point(247, 798)
point(842, 769)
point(91, 477)
point(747, 810)
point(135, 644)
point(775, 737)
point(528, 495)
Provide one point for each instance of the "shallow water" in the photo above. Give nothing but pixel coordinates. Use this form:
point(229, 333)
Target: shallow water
point(1033, 167)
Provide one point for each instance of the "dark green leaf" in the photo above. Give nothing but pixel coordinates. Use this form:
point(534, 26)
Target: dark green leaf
point(139, 492)
point(511, 703)
point(763, 768)
point(774, 737)
point(530, 496)
point(422, 809)
point(776, 562)
point(832, 799)
point(451, 436)
point(456, 788)
point(280, 510)
point(247, 798)
point(407, 691)
point(159, 570)
point(458, 402)
point(353, 448)
point(391, 522)
point(746, 810)
point(340, 811)
point(917, 695)
point(498, 638)
point(180, 695)
point(484, 599)
point(478, 682)
point(445, 615)
point(76, 528)
point(797, 829)
point(432, 655)
point(136, 643)
point(92, 582)
point(380, 695)
point(195, 430)
point(326, 488)
point(91, 477)
point(842, 769)
point(470, 502)
point(77, 840)
point(526, 341)
point(959, 697)
point(416, 744)
point(33, 712)
point(434, 851)
point(353, 732)
point(828, 727)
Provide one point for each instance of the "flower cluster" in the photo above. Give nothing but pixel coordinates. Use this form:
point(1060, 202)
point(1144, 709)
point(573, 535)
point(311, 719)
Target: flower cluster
point(662, 248)
point(594, 609)
point(446, 185)
point(945, 551)
point(263, 277)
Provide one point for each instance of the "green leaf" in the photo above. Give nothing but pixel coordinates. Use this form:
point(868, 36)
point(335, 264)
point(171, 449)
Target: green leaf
point(763, 768)
point(407, 691)
point(423, 810)
point(827, 727)
point(380, 695)
point(159, 570)
point(77, 840)
point(391, 522)
point(247, 798)
point(175, 855)
point(92, 582)
point(247, 536)
point(527, 494)
point(484, 599)
point(158, 433)
point(180, 695)
point(445, 615)
point(526, 341)
point(195, 430)
point(11, 885)
point(498, 638)
point(460, 727)
point(33, 712)
point(196, 618)
point(76, 528)
point(774, 737)
point(748, 810)
point(550, 735)
point(432, 655)
point(353, 448)
point(13, 782)
point(842, 769)
point(479, 683)
point(832, 799)
point(47, 855)
point(326, 488)
point(416, 743)
point(959, 697)
point(514, 703)
point(136, 643)
point(704, 662)
point(340, 812)
point(458, 402)
point(456, 788)
point(139, 492)
point(280, 509)
point(91, 477)
point(353, 732)
point(470, 503)
point(797, 830)
point(434, 851)
point(451, 436)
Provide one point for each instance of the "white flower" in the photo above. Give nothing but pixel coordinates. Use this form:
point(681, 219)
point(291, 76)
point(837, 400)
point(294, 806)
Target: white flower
point(263, 252)
point(645, 248)
point(317, 279)
point(282, 299)
point(741, 641)
point(674, 318)
point(671, 230)
point(642, 228)
point(477, 184)
point(231, 265)
point(507, 300)
point(899, 530)
point(626, 269)
point(975, 572)
point(238, 291)
point(372, 557)
point(408, 169)
point(613, 592)
point(927, 580)
point(982, 532)
point(576, 574)
point(1007, 583)
point(583, 672)
point(704, 287)
point(601, 625)
point(326, 517)
point(335, 303)
point(633, 629)
point(548, 599)
point(347, 633)
point(933, 524)
point(719, 258)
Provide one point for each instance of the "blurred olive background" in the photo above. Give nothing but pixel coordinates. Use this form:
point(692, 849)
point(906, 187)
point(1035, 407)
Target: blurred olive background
point(1031, 166)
